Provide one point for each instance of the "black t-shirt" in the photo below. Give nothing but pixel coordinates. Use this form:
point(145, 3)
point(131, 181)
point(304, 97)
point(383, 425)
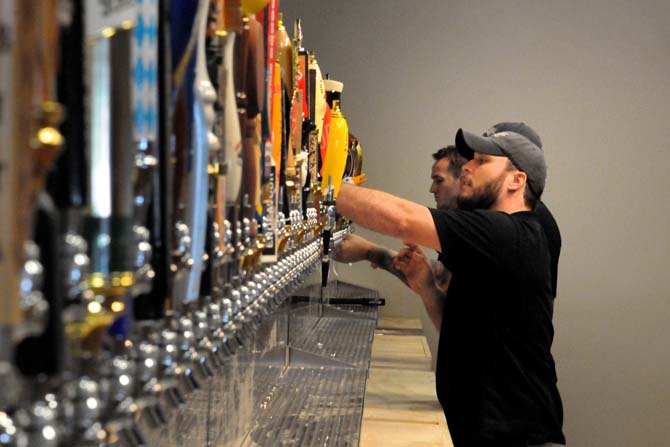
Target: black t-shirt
point(496, 378)
point(553, 234)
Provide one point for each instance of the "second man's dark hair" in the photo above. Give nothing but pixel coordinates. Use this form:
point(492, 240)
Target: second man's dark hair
point(456, 160)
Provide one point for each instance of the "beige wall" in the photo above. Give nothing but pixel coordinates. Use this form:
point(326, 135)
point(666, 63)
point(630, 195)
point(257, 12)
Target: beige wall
point(593, 77)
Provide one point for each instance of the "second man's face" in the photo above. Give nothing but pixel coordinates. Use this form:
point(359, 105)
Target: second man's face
point(445, 187)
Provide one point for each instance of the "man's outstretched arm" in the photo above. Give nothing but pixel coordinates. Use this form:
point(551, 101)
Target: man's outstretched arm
point(387, 214)
point(356, 248)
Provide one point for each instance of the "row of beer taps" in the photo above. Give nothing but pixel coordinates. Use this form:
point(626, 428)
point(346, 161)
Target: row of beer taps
point(78, 367)
point(139, 382)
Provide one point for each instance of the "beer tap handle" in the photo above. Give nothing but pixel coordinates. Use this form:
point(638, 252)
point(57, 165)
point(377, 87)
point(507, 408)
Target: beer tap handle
point(329, 203)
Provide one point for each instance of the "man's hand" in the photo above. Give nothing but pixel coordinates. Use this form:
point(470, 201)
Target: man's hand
point(353, 248)
point(416, 267)
point(420, 276)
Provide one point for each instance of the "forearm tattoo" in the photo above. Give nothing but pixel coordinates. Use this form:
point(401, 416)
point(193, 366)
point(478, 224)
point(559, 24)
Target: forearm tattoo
point(383, 258)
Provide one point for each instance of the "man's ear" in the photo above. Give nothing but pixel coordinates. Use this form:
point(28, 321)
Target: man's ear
point(518, 180)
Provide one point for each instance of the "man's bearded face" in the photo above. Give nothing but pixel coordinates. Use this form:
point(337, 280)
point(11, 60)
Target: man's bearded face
point(483, 197)
point(481, 181)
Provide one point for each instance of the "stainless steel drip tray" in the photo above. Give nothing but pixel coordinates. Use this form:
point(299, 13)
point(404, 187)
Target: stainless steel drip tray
point(318, 400)
point(351, 310)
point(336, 289)
point(346, 340)
point(312, 406)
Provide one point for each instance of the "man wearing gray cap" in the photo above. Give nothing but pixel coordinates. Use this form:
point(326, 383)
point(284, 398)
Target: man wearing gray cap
point(496, 377)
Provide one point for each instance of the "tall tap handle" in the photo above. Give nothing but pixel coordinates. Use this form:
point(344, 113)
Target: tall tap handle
point(297, 33)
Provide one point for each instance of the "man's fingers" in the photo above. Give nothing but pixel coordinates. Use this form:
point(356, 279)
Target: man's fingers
point(413, 254)
point(414, 247)
point(404, 253)
point(407, 264)
point(419, 254)
point(410, 245)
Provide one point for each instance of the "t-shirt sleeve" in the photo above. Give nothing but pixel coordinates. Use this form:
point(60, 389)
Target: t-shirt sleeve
point(471, 239)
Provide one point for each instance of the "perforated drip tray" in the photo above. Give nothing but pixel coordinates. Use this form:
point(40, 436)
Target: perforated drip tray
point(299, 382)
point(336, 289)
point(340, 339)
point(318, 400)
point(312, 407)
point(358, 310)
point(266, 380)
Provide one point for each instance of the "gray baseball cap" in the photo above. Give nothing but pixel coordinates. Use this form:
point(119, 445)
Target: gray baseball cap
point(518, 127)
point(524, 154)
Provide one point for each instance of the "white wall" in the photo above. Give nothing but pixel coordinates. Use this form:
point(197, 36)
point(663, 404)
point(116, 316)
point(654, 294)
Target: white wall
point(593, 77)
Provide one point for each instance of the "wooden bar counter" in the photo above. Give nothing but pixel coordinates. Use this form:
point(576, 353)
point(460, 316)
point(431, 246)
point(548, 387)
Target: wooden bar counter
point(401, 408)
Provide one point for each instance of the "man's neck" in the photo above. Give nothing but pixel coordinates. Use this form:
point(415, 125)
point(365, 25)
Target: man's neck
point(510, 205)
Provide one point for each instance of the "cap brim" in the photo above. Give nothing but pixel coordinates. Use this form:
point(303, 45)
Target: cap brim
point(467, 143)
